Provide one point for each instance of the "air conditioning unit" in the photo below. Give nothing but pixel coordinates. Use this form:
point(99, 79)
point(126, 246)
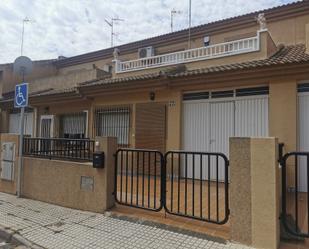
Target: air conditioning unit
point(146, 52)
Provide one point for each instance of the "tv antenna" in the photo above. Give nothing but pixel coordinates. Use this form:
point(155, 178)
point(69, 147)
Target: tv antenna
point(111, 23)
point(25, 20)
point(173, 13)
point(189, 33)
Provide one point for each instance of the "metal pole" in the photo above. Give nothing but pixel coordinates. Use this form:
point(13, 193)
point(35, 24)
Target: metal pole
point(112, 34)
point(171, 20)
point(22, 38)
point(189, 35)
point(20, 151)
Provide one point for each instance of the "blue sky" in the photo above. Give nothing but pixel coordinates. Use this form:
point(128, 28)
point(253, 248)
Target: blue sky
point(72, 27)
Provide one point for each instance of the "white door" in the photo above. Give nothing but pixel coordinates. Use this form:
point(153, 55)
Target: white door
point(221, 129)
point(303, 138)
point(221, 126)
point(196, 133)
point(208, 125)
point(47, 126)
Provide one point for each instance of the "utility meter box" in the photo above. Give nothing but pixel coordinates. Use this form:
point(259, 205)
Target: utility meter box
point(98, 159)
point(7, 161)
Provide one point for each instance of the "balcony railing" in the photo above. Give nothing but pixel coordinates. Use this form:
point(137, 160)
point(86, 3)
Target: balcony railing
point(204, 53)
point(59, 148)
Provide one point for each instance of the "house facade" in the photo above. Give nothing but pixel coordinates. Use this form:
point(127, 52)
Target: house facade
point(242, 76)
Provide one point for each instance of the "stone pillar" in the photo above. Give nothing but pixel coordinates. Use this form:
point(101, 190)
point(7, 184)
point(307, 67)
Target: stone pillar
point(254, 192)
point(109, 146)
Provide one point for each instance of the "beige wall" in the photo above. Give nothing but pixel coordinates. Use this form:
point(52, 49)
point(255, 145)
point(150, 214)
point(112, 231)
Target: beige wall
point(64, 81)
point(59, 182)
point(172, 99)
point(41, 69)
point(283, 118)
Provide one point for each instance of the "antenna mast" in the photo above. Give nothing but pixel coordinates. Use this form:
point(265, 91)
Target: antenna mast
point(173, 12)
point(189, 35)
point(111, 23)
point(26, 20)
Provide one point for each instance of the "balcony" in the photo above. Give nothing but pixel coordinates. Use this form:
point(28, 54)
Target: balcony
point(237, 47)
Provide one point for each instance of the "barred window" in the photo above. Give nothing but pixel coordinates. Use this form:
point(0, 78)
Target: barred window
point(73, 125)
point(113, 122)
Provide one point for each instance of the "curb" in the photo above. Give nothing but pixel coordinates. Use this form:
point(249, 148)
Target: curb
point(13, 236)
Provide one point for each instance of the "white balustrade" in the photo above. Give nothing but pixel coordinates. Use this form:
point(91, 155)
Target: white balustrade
point(204, 53)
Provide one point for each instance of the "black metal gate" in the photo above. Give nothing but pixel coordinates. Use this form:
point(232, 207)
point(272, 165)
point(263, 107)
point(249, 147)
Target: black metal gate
point(295, 199)
point(188, 184)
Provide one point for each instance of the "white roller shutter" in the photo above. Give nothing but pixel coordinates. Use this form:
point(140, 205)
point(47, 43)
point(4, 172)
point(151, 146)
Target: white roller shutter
point(303, 135)
point(251, 117)
point(207, 124)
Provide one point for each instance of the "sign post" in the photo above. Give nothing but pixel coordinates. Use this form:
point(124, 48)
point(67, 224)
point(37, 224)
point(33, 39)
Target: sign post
point(20, 101)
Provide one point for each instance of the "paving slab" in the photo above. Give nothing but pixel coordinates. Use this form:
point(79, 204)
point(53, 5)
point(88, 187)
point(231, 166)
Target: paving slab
point(45, 225)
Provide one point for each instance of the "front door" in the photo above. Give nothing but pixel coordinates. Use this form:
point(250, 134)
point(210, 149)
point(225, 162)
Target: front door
point(47, 126)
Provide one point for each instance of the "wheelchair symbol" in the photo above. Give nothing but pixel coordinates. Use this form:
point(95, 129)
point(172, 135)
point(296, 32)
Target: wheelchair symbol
point(20, 99)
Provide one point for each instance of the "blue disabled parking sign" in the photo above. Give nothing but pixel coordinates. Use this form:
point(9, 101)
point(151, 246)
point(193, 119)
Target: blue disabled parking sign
point(21, 95)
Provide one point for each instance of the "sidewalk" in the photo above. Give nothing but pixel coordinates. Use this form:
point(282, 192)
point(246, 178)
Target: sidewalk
point(51, 226)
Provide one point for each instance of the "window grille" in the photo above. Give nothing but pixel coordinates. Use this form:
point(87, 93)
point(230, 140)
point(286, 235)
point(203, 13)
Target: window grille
point(113, 122)
point(73, 125)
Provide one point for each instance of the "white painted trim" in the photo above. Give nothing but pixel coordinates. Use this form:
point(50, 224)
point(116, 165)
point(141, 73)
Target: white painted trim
point(52, 118)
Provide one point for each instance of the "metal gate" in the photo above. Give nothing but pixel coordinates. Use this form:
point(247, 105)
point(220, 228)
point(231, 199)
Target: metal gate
point(295, 198)
point(184, 183)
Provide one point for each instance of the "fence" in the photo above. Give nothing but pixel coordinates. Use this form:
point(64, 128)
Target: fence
point(295, 199)
point(138, 178)
point(59, 148)
point(197, 185)
point(188, 184)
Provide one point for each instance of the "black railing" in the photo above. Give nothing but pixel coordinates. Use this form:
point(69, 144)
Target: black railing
point(295, 193)
point(197, 185)
point(59, 148)
point(138, 180)
point(189, 184)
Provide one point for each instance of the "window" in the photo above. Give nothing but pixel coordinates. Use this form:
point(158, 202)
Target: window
point(14, 123)
point(113, 122)
point(73, 125)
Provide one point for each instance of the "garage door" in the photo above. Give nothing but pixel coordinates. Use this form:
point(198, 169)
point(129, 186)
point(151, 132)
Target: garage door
point(211, 118)
point(303, 134)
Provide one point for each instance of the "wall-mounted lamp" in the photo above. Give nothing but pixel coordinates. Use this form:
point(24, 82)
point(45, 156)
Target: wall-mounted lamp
point(46, 110)
point(152, 96)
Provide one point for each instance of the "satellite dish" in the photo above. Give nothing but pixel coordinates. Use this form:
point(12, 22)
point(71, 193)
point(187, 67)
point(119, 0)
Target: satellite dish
point(22, 66)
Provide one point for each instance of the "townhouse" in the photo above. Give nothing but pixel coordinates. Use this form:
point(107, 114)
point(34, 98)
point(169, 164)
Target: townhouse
point(243, 76)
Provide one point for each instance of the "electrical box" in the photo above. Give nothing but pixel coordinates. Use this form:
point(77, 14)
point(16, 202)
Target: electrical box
point(8, 151)
point(98, 159)
point(7, 171)
point(7, 161)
